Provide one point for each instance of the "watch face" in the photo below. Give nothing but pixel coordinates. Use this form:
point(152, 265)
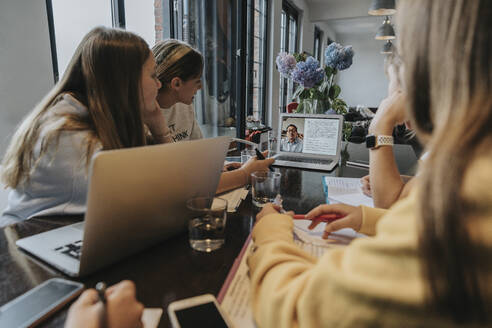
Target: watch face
point(370, 141)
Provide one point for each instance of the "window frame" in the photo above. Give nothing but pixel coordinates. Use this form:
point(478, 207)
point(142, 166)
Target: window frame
point(290, 13)
point(250, 60)
point(318, 36)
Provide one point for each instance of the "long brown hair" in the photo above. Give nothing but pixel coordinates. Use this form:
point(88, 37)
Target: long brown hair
point(446, 48)
point(104, 75)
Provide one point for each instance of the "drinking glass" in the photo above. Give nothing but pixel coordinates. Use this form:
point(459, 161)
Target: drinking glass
point(265, 187)
point(207, 225)
point(246, 154)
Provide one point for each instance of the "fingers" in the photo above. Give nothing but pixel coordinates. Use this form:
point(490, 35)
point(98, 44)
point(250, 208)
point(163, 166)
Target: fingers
point(328, 209)
point(126, 287)
point(88, 297)
point(337, 225)
point(267, 209)
point(314, 224)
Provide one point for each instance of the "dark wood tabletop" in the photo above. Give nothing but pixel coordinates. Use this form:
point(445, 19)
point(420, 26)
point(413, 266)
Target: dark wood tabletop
point(168, 271)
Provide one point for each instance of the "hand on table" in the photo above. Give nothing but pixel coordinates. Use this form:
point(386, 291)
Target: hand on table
point(122, 308)
point(352, 217)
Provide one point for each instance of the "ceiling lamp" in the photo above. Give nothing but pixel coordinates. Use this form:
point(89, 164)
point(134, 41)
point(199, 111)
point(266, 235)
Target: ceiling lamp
point(386, 31)
point(387, 48)
point(382, 7)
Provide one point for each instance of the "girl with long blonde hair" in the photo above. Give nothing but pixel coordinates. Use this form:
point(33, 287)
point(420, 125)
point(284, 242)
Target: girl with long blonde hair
point(105, 100)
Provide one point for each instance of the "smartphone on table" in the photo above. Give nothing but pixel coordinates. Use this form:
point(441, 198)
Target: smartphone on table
point(200, 311)
point(39, 303)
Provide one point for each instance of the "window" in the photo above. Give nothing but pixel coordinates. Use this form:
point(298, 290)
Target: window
point(213, 27)
point(256, 58)
point(72, 19)
point(141, 18)
point(288, 43)
point(318, 37)
point(232, 36)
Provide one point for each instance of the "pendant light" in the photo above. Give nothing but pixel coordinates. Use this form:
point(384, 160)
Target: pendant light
point(387, 48)
point(385, 31)
point(382, 7)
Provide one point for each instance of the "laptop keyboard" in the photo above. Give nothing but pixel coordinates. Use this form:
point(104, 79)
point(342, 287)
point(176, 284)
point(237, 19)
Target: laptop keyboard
point(304, 160)
point(73, 249)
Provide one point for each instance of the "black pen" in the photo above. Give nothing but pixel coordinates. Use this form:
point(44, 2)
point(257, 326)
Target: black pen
point(261, 157)
point(101, 292)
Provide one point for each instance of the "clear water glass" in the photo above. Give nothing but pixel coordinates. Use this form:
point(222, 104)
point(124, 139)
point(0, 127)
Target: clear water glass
point(207, 224)
point(265, 186)
point(246, 154)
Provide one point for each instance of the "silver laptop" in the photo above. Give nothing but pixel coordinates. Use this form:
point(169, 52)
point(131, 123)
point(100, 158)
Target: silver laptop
point(136, 198)
point(309, 141)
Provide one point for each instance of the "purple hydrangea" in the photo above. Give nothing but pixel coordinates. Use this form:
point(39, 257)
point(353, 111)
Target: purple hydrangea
point(338, 56)
point(285, 63)
point(307, 73)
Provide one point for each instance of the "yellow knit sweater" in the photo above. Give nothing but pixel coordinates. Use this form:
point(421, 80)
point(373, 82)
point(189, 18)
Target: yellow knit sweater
point(373, 282)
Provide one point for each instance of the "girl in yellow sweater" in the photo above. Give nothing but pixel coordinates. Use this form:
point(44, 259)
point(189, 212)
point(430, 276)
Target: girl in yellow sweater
point(428, 263)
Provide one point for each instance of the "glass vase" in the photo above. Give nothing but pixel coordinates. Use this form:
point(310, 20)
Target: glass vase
point(311, 106)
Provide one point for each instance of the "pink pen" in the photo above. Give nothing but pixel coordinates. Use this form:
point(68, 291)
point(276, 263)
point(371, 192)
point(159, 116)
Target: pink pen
point(322, 218)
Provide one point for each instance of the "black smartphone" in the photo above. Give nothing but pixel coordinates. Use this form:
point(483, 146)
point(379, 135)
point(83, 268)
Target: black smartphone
point(39, 303)
point(199, 311)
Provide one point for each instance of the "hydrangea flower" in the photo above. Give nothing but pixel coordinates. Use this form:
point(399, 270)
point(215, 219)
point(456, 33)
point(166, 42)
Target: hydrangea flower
point(338, 56)
point(307, 73)
point(285, 63)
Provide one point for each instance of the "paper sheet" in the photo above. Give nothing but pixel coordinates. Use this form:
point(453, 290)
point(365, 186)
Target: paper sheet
point(346, 190)
point(236, 302)
point(234, 198)
point(237, 299)
point(151, 317)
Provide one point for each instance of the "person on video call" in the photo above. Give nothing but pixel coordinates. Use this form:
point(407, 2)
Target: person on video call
point(292, 143)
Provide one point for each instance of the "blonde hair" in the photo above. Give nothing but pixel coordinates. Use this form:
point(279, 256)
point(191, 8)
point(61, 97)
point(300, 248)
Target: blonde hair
point(104, 75)
point(446, 47)
point(175, 58)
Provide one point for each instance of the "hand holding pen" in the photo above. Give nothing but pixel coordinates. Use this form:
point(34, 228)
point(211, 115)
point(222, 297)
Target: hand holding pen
point(261, 157)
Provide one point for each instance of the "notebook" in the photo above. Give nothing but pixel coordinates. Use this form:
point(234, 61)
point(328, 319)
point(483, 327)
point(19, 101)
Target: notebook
point(309, 141)
point(136, 198)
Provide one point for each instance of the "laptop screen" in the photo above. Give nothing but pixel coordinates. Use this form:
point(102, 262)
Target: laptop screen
point(310, 135)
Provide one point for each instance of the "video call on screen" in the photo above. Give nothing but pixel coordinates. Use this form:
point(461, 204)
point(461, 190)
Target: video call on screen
point(314, 136)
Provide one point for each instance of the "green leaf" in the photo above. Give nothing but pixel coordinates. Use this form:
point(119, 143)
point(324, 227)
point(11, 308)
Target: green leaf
point(331, 93)
point(337, 90)
point(304, 94)
point(328, 71)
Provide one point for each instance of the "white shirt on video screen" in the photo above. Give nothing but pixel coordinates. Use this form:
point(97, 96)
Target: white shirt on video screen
point(320, 136)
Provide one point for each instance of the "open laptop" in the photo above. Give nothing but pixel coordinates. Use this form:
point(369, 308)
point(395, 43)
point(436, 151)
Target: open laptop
point(136, 198)
point(309, 141)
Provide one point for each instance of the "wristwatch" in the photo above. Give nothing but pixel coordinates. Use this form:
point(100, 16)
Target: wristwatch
point(373, 141)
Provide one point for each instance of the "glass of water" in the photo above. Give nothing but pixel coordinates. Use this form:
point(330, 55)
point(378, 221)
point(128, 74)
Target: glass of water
point(246, 154)
point(207, 224)
point(265, 186)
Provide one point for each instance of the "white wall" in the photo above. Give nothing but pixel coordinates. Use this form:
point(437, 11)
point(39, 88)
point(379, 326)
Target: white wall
point(364, 83)
point(26, 72)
